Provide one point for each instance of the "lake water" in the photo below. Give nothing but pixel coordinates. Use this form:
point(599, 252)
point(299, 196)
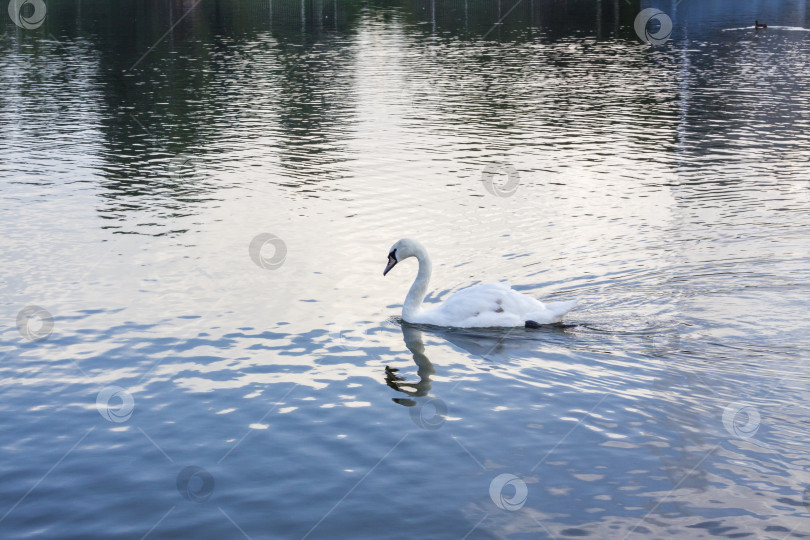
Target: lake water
point(198, 200)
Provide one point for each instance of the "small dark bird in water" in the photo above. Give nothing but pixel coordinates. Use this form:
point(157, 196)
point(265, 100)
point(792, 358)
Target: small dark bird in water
point(759, 25)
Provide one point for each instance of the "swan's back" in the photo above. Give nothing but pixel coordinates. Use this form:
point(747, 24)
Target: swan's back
point(492, 304)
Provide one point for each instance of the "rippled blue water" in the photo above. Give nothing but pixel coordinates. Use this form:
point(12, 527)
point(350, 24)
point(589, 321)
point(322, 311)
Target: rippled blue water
point(163, 376)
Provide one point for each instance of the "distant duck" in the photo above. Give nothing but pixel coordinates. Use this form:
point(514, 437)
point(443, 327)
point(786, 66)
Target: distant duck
point(758, 25)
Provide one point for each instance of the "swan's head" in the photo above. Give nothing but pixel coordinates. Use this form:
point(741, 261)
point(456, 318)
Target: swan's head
point(401, 250)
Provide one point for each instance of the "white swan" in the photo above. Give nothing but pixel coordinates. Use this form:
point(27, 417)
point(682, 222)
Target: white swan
point(489, 304)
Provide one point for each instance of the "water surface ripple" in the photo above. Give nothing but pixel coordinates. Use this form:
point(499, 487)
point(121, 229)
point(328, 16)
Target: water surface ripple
point(195, 385)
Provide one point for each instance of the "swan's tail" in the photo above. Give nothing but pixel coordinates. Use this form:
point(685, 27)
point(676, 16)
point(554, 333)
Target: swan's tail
point(554, 312)
point(558, 309)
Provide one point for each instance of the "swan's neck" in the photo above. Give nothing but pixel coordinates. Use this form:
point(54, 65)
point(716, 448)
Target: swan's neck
point(413, 302)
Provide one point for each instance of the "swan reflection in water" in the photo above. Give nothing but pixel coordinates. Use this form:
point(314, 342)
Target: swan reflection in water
point(478, 342)
point(415, 344)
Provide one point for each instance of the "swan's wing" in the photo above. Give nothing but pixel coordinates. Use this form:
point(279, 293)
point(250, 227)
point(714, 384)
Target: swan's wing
point(463, 305)
point(492, 304)
point(487, 304)
point(478, 298)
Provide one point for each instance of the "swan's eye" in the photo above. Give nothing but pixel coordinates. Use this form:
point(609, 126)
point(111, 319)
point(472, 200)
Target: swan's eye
point(393, 255)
